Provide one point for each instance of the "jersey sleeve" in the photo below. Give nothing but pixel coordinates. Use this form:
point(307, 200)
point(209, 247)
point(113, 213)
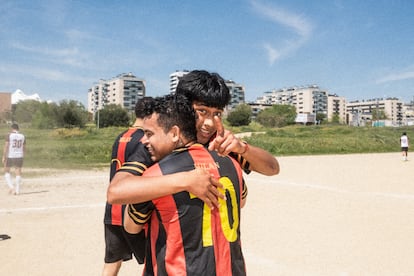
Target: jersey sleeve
point(140, 213)
point(244, 190)
point(244, 164)
point(137, 162)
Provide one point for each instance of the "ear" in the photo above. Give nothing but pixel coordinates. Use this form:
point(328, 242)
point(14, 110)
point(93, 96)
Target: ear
point(175, 133)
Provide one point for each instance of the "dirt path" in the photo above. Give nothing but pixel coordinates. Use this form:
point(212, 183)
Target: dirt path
point(323, 215)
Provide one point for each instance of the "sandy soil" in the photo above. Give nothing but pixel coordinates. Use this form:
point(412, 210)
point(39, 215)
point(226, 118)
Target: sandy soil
point(322, 215)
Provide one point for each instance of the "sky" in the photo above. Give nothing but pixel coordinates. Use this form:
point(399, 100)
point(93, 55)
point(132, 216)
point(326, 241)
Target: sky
point(355, 49)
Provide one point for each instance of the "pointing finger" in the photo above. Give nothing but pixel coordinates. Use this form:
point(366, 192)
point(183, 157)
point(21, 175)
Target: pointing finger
point(219, 126)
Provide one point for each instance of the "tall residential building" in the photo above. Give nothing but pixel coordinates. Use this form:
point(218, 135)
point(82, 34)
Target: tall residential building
point(236, 90)
point(257, 107)
point(408, 114)
point(306, 99)
point(174, 77)
point(361, 112)
point(124, 90)
point(237, 94)
point(336, 107)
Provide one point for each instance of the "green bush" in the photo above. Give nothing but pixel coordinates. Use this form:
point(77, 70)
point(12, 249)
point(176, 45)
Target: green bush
point(277, 116)
point(113, 115)
point(241, 116)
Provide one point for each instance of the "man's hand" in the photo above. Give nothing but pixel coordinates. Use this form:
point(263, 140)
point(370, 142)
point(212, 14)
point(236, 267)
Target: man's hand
point(225, 141)
point(204, 186)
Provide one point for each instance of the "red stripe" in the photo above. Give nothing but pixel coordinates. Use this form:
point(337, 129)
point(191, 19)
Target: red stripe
point(154, 235)
point(123, 142)
point(174, 254)
point(154, 171)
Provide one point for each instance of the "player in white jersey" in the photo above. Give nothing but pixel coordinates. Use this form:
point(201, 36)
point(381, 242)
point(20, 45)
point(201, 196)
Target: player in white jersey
point(404, 145)
point(13, 154)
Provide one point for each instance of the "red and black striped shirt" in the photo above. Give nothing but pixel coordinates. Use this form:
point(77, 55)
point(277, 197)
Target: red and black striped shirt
point(127, 147)
point(185, 236)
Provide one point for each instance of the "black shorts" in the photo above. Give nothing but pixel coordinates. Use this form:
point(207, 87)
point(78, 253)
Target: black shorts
point(120, 245)
point(14, 162)
point(404, 148)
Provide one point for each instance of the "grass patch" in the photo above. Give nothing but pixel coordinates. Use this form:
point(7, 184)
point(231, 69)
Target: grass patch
point(91, 148)
point(299, 140)
point(68, 148)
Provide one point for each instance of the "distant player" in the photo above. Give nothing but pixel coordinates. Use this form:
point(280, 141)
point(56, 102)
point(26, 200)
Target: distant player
point(13, 154)
point(404, 146)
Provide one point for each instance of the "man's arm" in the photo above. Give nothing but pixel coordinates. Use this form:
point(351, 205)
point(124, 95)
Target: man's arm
point(129, 225)
point(260, 160)
point(5, 151)
point(126, 188)
point(24, 147)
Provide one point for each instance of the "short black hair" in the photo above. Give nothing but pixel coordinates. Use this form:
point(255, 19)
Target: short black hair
point(15, 126)
point(140, 106)
point(174, 110)
point(204, 87)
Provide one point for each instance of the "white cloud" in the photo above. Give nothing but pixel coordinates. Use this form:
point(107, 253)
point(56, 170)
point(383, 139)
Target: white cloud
point(45, 51)
point(297, 23)
point(272, 53)
point(396, 77)
point(67, 56)
point(42, 73)
point(76, 36)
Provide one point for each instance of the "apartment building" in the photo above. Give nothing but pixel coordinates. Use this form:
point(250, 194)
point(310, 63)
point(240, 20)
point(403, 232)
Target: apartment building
point(237, 94)
point(310, 100)
point(257, 107)
point(336, 107)
point(124, 90)
point(307, 99)
point(174, 78)
point(361, 112)
point(408, 114)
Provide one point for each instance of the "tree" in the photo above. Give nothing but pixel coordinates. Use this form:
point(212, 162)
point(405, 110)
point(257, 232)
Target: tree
point(335, 118)
point(320, 117)
point(71, 114)
point(378, 114)
point(24, 111)
point(46, 116)
point(241, 116)
point(113, 115)
point(277, 116)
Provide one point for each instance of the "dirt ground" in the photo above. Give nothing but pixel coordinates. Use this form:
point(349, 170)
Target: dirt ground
point(322, 215)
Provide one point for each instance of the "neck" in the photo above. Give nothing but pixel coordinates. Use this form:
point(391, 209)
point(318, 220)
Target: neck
point(189, 144)
point(185, 143)
point(138, 122)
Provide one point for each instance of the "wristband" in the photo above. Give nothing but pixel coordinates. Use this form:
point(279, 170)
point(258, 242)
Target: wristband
point(246, 148)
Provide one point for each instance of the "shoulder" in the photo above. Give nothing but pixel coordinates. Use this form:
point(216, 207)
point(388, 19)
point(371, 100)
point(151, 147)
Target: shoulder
point(154, 170)
point(178, 161)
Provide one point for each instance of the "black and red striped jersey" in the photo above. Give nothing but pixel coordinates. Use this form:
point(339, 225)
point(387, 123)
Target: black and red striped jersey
point(185, 236)
point(127, 148)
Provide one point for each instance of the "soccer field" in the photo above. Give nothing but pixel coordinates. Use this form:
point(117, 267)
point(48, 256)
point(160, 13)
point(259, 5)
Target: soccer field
point(323, 215)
